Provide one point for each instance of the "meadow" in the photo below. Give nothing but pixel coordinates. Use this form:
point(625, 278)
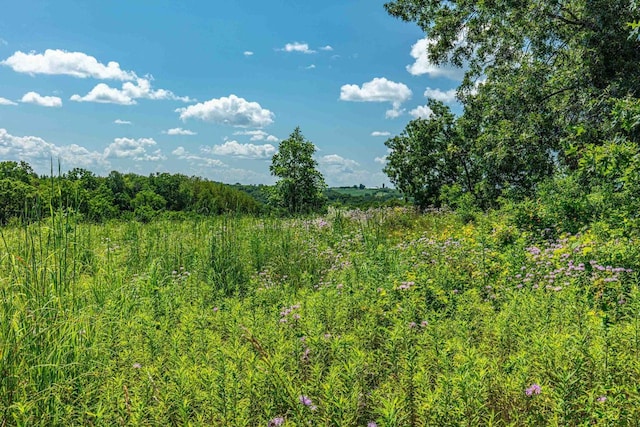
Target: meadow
point(382, 317)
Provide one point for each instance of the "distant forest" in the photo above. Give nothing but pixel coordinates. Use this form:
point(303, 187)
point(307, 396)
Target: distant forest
point(25, 195)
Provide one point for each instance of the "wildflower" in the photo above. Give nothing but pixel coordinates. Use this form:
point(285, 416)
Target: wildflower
point(372, 424)
point(533, 389)
point(424, 324)
point(601, 399)
point(136, 366)
point(277, 421)
point(412, 325)
point(215, 309)
point(306, 401)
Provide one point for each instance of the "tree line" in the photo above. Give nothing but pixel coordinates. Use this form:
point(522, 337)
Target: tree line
point(551, 109)
point(26, 195)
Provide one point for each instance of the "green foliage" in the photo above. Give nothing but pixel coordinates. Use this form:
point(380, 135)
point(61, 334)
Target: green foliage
point(543, 82)
point(128, 196)
point(429, 155)
point(300, 186)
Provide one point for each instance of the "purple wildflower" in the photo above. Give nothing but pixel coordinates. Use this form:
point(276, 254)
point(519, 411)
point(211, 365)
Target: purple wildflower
point(533, 389)
point(372, 424)
point(136, 366)
point(277, 421)
point(601, 399)
point(306, 401)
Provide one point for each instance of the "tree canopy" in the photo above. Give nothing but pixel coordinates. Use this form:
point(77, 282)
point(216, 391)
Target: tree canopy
point(300, 187)
point(543, 78)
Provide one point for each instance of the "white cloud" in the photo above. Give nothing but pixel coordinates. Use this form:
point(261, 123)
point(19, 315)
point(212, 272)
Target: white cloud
point(378, 90)
point(423, 64)
point(258, 135)
point(40, 152)
point(105, 94)
point(310, 67)
point(5, 101)
point(232, 111)
point(235, 149)
point(135, 149)
point(439, 95)
point(183, 154)
point(382, 160)
point(326, 48)
point(121, 122)
point(179, 131)
point(43, 101)
point(378, 133)
point(130, 91)
point(394, 113)
point(297, 47)
point(339, 162)
point(342, 171)
point(247, 53)
point(61, 62)
point(423, 111)
point(3, 42)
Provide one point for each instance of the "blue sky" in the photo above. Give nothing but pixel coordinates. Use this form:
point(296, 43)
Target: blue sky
point(210, 88)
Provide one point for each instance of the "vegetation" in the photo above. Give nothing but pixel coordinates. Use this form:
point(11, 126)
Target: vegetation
point(26, 196)
point(130, 300)
point(300, 187)
point(549, 82)
point(382, 316)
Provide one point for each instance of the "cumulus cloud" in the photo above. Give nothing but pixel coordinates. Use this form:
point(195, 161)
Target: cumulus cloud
point(247, 53)
point(326, 48)
point(310, 67)
point(121, 122)
point(182, 154)
point(5, 101)
point(447, 97)
point(141, 89)
point(104, 94)
point(135, 149)
point(179, 131)
point(423, 111)
point(382, 160)
point(258, 135)
point(394, 113)
point(39, 152)
point(378, 90)
point(423, 64)
point(43, 101)
point(232, 110)
point(339, 163)
point(343, 171)
point(298, 47)
point(379, 133)
point(235, 149)
point(61, 62)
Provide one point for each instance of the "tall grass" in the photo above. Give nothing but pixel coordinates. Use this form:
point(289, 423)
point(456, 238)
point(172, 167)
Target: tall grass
point(357, 317)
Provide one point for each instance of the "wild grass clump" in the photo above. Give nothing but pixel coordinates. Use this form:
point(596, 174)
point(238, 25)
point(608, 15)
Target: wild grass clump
point(382, 316)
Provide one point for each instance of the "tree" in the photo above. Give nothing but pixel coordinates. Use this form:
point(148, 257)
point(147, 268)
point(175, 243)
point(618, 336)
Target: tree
point(551, 72)
point(301, 185)
point(429, 155)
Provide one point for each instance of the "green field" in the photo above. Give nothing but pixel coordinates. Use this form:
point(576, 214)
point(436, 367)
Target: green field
point(357, 317)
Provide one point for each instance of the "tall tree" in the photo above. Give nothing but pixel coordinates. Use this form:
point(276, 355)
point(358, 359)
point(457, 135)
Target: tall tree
point(429, 155)
point(551, 73)
point(300, 187)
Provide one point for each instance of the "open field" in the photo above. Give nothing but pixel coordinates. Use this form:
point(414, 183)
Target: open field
point(357, 317)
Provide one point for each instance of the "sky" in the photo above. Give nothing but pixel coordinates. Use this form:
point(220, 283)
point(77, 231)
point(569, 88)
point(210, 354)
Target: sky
point(210, 88)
